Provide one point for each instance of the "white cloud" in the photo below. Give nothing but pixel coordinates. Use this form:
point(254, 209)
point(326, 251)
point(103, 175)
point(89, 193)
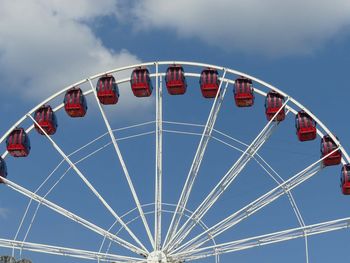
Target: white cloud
point(80, 9)
point(46, 45)
point(269, 27)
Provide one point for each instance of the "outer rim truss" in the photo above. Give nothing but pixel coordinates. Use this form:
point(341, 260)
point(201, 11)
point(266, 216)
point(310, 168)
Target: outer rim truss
point(156, 240)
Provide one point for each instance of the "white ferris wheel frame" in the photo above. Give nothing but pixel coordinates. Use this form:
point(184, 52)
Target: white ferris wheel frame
point(173, 249)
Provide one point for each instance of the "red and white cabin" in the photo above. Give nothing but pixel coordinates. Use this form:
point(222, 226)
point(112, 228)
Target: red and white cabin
point(18, 143)
point(273, 102)
point(345, 179)
point(243, 92)
point(140, 81)
point(107, 90)
point(328, 146)
point(305, 126)
point(3, 170)
point(209, 82)
point(175, 80)
point(46, 119)
point(75, 103)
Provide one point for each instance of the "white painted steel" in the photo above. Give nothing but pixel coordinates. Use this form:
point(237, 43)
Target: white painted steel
point(187, 214)
point(186, 124)
point(346, 158)
point(60, 163)
point(256, 205)
point(80, 160)
point(226, 181)
point(67, 252)
point(292, 106)
point(268, 169)
point(61, 177)
point(158, 165)
point(262, 240)
point(73, 217)
point(122, 163)
point(88, 184)
point(197, 160)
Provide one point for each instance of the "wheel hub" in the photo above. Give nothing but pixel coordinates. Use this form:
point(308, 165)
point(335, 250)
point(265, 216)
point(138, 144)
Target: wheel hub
point(157, 257)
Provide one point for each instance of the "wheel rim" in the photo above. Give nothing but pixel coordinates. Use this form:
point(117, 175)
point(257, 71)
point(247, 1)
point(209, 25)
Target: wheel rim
point(292, 106)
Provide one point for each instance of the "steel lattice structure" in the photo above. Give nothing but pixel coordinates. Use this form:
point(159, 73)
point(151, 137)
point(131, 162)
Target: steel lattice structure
point(175, 247)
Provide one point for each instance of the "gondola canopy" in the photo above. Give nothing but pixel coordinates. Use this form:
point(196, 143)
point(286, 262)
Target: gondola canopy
point(209, 82)
point(18, 143)
point(273, 103)
point(175, 80)
point(345, 179)
point(140, 81)
point(305, 126)
point(46, 119)
point(75, 103)
point(107, 90)
point(328, 146)
point(243, 92)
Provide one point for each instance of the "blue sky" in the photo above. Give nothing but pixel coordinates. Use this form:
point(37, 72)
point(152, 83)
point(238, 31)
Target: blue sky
point(301, 47)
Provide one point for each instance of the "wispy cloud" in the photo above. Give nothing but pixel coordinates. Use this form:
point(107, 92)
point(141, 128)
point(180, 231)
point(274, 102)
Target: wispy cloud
point(270, 27)
point(47, 44)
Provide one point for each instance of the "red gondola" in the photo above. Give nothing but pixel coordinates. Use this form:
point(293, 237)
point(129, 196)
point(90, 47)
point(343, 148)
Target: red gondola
point(327, 146)
point(345, 179)
point(75, 103)
point(243, 92)
point(18, 143)
point(305, 126)
point(46, 119)
point(273, 102)
point(3, 170)
point(175, 80)
point(107, 90)
point(209, 82)
point(140, 81)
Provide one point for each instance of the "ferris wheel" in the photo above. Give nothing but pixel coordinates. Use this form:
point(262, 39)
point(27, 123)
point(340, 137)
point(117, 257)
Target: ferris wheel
point(162, 188)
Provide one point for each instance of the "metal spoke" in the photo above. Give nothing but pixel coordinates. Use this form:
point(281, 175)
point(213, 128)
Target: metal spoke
point(279, 180)
point(55, 169)
point(62, 176)
point(192, 174)
point(89, 185)
point(226, 181)
point(255, 206)
point(158, 169)
point(37, 208)
point(186, 214)
point(64, 251)
point(268, 169)
point(262, 240)
point(125, 170)
point(73, 217)
point(178, 245)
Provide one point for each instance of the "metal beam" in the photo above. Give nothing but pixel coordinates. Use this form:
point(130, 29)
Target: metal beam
point(159, 166)
point(65, 251)
point(263, 240)
point(126, 173)
point(73, 217)
point(226, 181)
point(254, 206)
point(197, 160)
